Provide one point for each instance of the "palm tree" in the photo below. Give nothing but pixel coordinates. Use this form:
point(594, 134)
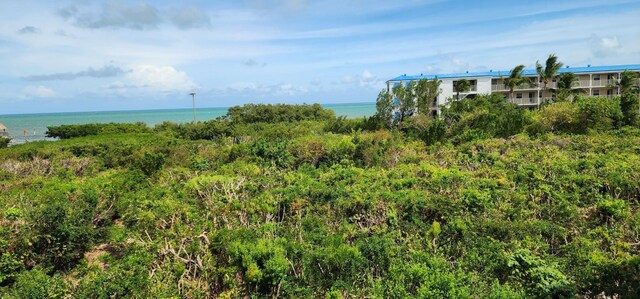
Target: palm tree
point(461, 86)
point(549, 71)
point(517, 79)
point(628, 82)
point(566, 82)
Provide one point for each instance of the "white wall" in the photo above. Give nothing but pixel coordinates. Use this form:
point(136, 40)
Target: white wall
point(446, 88)
point(484, 85)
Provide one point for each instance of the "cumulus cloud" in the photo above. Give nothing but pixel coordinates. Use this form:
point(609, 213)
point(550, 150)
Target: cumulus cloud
point(365, 79)
point(156, 79)
point(604, 46)
point(116, 14)
point(104, 72)
point(29, 30)
point(39, 92)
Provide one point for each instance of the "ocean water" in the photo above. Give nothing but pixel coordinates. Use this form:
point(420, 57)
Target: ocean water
point(35, 125)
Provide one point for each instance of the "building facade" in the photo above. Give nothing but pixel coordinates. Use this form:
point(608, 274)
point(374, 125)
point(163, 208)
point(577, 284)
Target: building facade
point(594, 80)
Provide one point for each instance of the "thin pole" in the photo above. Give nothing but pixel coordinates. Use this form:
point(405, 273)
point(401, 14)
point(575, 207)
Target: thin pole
point(193, 101)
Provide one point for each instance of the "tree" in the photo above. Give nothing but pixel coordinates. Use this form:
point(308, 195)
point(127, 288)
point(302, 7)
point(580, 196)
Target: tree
point(406, 99)
point(426, 92)
point(628, 82)
point(629, 107)
point(461, 86)
point(517, 79)
point(566, 82)
point(549, 71)
point(384, 107)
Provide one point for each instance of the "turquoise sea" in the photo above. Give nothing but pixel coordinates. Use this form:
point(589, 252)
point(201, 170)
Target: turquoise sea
point(36, 124)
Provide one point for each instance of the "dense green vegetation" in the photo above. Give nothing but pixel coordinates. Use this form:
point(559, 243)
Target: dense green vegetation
point(485, 200)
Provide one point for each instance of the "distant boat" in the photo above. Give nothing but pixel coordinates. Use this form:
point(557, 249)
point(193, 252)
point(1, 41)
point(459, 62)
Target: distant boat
point(4, 132)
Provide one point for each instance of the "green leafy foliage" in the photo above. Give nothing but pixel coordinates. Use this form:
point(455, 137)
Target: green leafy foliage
point(72, 131)
point(252, 113)
point(461, 206)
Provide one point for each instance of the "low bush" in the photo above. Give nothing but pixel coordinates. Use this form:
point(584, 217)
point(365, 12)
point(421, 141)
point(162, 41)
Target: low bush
point(73, 131)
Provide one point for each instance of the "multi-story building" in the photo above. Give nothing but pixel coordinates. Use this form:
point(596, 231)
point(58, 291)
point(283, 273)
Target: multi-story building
point(594, 80)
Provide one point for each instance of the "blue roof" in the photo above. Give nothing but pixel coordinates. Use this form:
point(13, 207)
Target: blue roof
point(577, 70)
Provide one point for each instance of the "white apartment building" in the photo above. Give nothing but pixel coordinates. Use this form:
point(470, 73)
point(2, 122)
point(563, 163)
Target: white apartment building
point(595, 80)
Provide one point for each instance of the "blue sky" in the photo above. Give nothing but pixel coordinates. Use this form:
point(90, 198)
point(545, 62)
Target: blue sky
point(87, 55)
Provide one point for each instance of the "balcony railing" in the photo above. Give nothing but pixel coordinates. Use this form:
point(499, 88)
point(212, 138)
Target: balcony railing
point(499, 87)
point(584, 83)
point(503, 87)
point(604, 83)
point(524, 101)
point(473, 88)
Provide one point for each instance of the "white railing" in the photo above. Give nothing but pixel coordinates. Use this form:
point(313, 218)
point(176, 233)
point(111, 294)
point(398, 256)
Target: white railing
point(584, 83)
point(499, 87)
point(473, 88)
point(524, 101)
point(604, 82)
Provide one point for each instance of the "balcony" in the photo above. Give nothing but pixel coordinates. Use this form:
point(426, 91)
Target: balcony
point(473, 88)
point(584, 83)
point(503, 87)
point(524, 101)
point(499, 87)
point(604, 83)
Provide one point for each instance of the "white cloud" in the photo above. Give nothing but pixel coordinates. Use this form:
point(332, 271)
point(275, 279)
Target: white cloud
point(39, 92)
point(156, 78)
point(365, 79)
point(604, 46)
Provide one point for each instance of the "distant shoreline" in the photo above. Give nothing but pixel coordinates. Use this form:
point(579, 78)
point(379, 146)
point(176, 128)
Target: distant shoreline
point(36, 123)
point(170, 109)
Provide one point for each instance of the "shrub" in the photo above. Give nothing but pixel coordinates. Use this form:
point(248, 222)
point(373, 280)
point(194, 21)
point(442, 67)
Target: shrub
point(73, 131)
point(598, 113)
point(629, 104)
point(64, 231)
point(4, 142)
point(150, 163)
point(542, 280)
point(561, 117)
point(273, 152)
point(487, 115)
point(207, 130)
point(10, 267)
point(255, 113)
point(36, 284)
point(613, 209)
point(343, 125)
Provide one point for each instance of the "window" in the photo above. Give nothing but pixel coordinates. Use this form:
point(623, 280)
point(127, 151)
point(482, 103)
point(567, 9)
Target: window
point(540, 95)
point(519, 95)
point(494, 81)
point(531, 97)
point(596, 92)
point(596, 77)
